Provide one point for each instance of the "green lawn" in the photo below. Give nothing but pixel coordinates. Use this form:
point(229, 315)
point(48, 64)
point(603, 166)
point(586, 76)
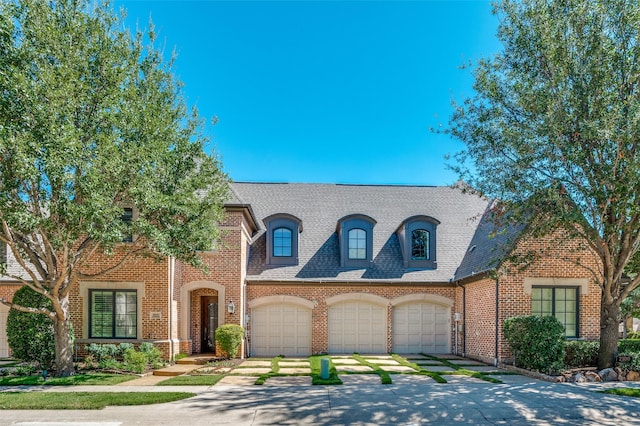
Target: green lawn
point(77, 379)
point(84, 400)
point(196, 380)
point(634, 392)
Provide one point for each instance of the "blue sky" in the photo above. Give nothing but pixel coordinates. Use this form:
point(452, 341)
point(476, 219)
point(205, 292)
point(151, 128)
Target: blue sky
point(325, 91)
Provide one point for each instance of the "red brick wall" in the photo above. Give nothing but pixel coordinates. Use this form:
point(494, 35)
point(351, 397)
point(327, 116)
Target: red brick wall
point(556, 258)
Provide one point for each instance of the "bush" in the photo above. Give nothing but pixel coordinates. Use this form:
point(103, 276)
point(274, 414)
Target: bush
point(102, 352)
point(153, 354)
point(633, 365)
point(537, 342)
point(229, 337)
point(633, 335)
point(30, 335)
point(628, 345)
point(135, 361)
point(580, 353)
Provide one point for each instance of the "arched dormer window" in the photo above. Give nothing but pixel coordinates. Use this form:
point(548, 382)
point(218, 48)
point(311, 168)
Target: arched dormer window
point(355, 235)
point(417, 237)
point(282, 239)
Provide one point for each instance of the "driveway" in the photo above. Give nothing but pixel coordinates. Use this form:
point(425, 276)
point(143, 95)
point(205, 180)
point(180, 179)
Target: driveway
point(410, 400)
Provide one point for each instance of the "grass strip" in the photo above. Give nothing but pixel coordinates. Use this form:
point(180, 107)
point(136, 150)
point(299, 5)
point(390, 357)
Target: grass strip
point(315, 363)
point(462, 371)
point(421, 371)
point(76, 379)
point(195, 380)
point(84, 400)
point(385, 377)
point(633, 392)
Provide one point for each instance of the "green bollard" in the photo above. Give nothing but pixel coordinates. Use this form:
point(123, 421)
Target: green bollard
point(324, 368)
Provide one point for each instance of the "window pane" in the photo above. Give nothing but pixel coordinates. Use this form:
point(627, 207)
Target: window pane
point(101, 314)
point(114, 314)
point(282, 242)
point(357, 244)
point(127, 218)
point(420, 244)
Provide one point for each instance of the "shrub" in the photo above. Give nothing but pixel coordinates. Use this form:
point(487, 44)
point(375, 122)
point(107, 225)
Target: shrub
point(103, 352)
point(633, 365)
point(153, 354)
point(537, 342)
point(580, 353)
point(629, 345)
point(31, 335)
point(135, 361)
point(229, 337)
point(633, 335)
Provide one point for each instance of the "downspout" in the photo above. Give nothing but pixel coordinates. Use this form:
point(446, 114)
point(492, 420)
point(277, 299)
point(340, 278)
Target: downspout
point(171, 285)
point(495, 361)
point(464, 321)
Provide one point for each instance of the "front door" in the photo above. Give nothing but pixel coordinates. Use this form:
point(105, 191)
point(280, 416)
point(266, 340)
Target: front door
point(209, 323)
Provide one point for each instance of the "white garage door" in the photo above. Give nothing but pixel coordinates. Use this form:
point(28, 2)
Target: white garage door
point(357, 326)
point(280, 329)
point(421, 327)
point(4, 345)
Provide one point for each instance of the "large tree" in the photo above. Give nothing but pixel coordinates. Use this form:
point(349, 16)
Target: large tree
point(93, 121)
point(553, 130)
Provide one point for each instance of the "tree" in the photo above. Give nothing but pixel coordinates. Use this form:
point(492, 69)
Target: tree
point(553, 131)
point(92, 121)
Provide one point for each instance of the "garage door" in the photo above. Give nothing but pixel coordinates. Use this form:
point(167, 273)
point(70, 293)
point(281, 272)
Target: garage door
point(421, 327)
point(280, 329)
point(4, 345)
point(357, 326)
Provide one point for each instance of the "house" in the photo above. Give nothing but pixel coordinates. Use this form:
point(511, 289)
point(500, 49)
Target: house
point(322, 268)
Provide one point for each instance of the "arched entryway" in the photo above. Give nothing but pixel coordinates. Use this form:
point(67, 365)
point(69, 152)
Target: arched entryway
point(202, 311)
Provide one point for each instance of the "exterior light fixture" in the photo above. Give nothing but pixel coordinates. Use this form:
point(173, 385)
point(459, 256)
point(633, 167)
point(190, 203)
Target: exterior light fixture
point(231, 307)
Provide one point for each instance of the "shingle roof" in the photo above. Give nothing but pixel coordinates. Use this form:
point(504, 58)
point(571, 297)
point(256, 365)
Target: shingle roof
point(321, 206)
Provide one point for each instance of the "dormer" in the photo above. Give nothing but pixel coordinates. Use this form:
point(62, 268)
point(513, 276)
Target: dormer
point(355, 236)
point(282, 239)
point(417, 237)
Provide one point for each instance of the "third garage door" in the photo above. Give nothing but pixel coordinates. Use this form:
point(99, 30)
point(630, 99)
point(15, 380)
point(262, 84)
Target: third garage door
point(357, 326)
point(4, 345)
point(281, 329)
point(421, 327)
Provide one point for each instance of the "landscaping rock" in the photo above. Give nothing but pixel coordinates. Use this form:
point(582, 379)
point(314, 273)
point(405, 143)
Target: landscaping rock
point(608, 375)
point(579, 378)
point(633, 376)
point(621, 375)
point(592, 376)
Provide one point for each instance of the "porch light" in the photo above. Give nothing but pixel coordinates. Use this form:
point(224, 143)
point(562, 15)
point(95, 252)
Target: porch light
point(231, 307)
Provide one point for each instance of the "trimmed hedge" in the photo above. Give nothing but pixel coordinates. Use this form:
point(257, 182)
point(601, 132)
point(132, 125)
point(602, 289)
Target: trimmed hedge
point(536, 342)
point(229, 337)
point(628, 345)
point(30, 335)
point(581, 353)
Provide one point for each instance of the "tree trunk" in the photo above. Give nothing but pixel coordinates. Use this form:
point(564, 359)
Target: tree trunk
point(64, 347)
point(609, 325)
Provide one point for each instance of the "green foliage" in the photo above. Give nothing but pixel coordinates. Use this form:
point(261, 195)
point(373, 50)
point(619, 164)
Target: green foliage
point(229, 337)
point(102, 352)
point(92, 120)
point(629, 345)
point(536, 342)
point(552, 131)
point(633, 364)
point(633, 335)
point(30, 335)
point(135, 361)
point(579, 353)
point(153, 354)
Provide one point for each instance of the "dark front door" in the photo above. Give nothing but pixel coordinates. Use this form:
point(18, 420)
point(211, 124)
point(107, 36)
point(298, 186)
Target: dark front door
point(209, 323)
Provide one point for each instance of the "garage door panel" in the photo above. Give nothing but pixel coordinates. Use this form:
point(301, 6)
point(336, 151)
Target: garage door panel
point(421, 327)
point(357, 326)
point(281, 329)
point(4, 344)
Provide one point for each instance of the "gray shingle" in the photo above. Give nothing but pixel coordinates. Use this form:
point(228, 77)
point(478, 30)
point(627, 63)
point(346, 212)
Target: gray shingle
point(321, 206)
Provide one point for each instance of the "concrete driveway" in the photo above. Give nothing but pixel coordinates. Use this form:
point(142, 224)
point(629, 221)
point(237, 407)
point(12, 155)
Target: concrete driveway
point(411, 400)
